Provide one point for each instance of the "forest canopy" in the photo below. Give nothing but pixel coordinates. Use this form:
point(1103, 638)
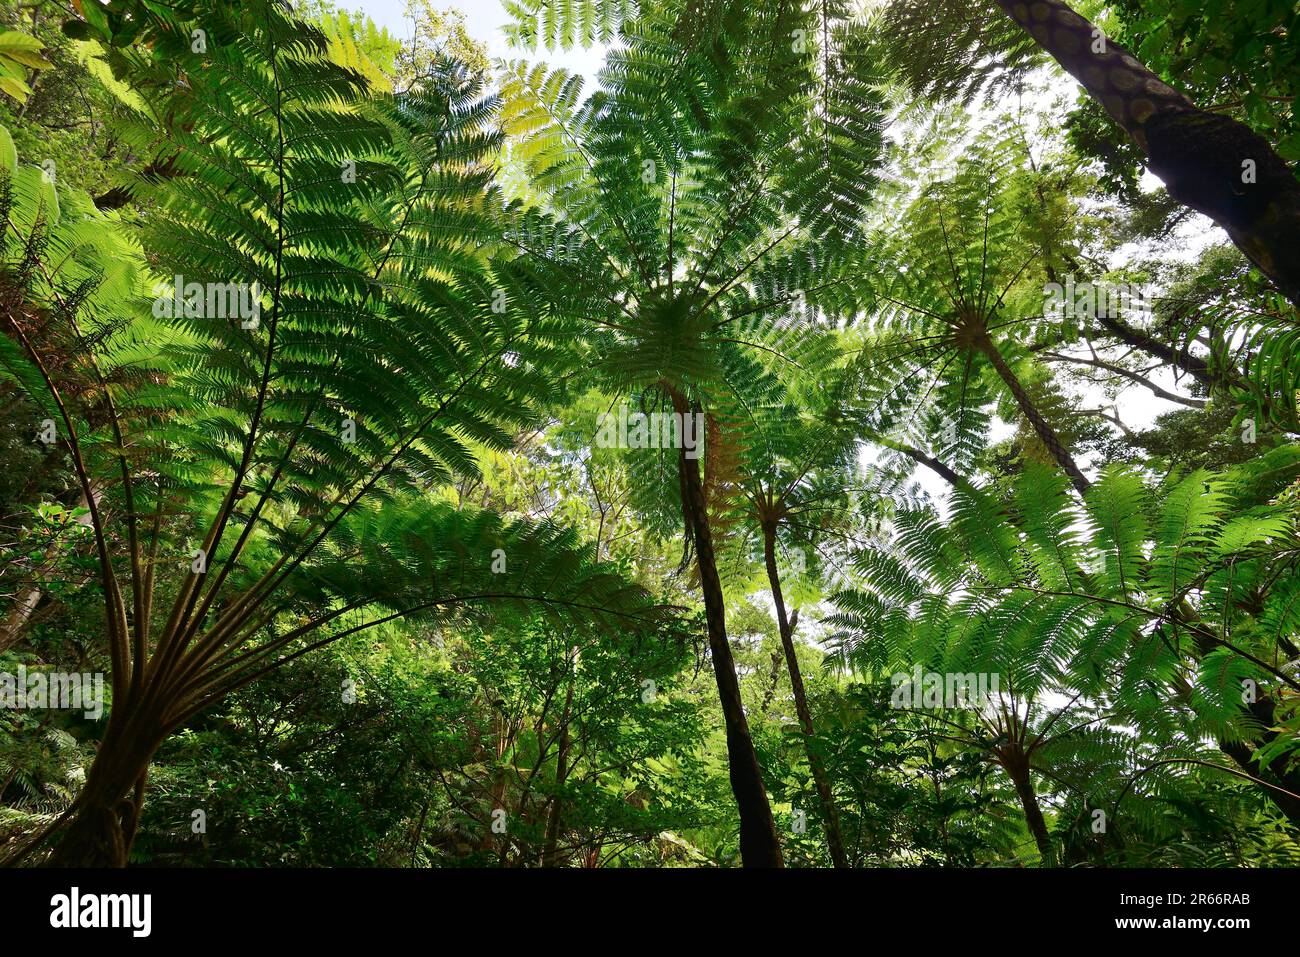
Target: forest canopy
point(829, 434)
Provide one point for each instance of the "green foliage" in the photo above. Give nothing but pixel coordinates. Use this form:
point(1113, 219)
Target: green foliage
point(1127, 613)
point(308, 340)
point(1242, 57)
point(18, 54)
point(562, 23)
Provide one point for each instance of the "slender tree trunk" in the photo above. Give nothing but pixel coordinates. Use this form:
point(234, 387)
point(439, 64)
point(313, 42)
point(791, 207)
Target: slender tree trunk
point(759, 846)
point(550, 854)
point(1040, 425)
point(1219, 380)
point(1237, 751)
point(772, 677)
point(941, 469)
point(1016, 763)
point(417, 834)
point(1193, 365)
point(497, 792)
point(1212, 163)
point(830, 815)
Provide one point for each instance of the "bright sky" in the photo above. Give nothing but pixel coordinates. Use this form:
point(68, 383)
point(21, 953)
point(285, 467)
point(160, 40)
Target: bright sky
point(484, 20)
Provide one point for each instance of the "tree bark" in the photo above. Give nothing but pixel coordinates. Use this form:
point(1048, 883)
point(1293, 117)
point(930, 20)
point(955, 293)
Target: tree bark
point(550, 852)
point(1202, 157)
point(759, 846)
point(941, 469)
point(1016, 763)
point(1040, 425)
point(20, 613)
point(107, 811)
point(830, 815)
point(497, 792)
point(773, 677)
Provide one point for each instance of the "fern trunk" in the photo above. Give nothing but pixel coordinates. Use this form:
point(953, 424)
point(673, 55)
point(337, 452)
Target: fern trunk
point(1046, 434)
point(830, 815)
point(106, 813)
point(759, 846)
point(1212, 163)
point(1016, 763)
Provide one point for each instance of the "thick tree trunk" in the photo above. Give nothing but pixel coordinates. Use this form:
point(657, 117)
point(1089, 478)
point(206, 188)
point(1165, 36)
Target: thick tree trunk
point(830, 815)
point(1212, 163)
point(759, 846)
point(1040, 426)
point(1016, 763)
point(1241, 754)
point(107, 811)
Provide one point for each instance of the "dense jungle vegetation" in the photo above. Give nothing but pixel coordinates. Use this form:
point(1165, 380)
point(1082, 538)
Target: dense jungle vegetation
point(839, 433)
